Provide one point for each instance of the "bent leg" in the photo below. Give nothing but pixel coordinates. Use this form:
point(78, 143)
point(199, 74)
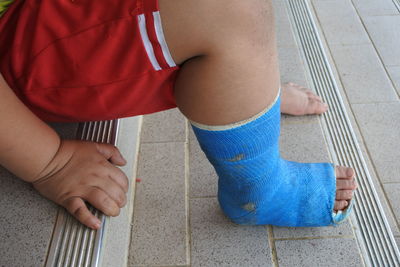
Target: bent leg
point(230, 74)
point(230, 71)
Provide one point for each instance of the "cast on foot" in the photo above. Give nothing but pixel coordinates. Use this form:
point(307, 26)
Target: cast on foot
point(297, 100)
point(256, 186)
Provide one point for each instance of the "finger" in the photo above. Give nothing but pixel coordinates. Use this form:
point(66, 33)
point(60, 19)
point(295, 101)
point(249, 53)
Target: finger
point(340, 205)
point(111, 188)
point(118, 176)
point(344, 194)
point(111, 153)
point(344, 172)
point(77, 207)
point(101, 201)
point(346, 184)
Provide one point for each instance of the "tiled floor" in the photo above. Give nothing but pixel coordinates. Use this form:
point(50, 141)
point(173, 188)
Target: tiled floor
point(177, 221)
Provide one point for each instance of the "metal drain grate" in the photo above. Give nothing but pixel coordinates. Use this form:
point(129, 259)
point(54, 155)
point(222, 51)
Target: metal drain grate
point(397, 4)
point(74, 244)
point(374, 235)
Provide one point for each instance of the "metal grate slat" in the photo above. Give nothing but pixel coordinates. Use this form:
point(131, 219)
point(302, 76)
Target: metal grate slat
point(397, 4)
point(375, 234)
point(73, 244)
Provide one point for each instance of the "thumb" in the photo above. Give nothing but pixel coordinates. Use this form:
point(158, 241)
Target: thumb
point(111, 153)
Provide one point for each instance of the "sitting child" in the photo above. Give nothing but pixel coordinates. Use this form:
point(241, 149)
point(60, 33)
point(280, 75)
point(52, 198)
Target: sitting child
point(100, 60)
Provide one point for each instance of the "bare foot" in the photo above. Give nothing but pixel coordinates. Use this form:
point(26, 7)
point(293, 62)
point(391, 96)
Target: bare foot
point(298, 100)
point(345, 185)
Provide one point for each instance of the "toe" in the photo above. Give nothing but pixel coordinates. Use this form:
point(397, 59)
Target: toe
point(313, 96)
point(346, 184)
point(340, 205)
point(344, 194)
point(316, 107)
point(344, 172)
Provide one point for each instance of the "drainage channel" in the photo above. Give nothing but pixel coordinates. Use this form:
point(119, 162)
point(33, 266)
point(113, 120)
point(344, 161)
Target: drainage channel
point(73, 244)
point(374, 235)
point(397, 4)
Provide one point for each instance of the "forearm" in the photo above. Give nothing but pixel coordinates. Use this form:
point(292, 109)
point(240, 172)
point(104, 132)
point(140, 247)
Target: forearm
point(27, 144)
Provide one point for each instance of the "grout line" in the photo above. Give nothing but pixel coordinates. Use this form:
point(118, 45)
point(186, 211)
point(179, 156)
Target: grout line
point(160, 265)
point(376, 50)
point(187, 195)
point(271, 241)
point(315, 237)
point(134, 191)
point(164, 142)
point(390, 183)
point(375, 102)
point(203, 197)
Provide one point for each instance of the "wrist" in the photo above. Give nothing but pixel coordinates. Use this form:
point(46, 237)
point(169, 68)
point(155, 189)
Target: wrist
point(56, 161)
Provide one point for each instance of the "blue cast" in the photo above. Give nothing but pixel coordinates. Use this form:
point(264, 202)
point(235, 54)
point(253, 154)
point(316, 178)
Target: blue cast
point(256, 186)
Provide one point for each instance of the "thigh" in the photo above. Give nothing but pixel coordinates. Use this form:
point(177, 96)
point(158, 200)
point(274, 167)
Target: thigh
point(196, 28)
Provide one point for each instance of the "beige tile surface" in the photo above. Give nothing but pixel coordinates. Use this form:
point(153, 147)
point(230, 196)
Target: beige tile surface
point(340, 22)
point(343, 229)
point(216, 241)
point(394, 73)
point(329, 252)
point(362, 74)
point(393, 193)
point(385, 34)
point(165, 126)
point(159, 219)
point(375, 8)
point(379, 124)
point(291, 66)
point(284, 31)
point(26, 221)
point(202, 176)
point(303, 143)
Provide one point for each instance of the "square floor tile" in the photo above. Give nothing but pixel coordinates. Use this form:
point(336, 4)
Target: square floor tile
point(303, 143)
point(362, 74)
point(202, 177)
point(385, 34)
point(379, 125)
point(343, 229)
point(291, 66)
point(340, 22)
point(165, 126)
point(159, 216)
point(27, 223)
point(283, 27)
point(375, 8)
point(327, 252)
point(218, 242)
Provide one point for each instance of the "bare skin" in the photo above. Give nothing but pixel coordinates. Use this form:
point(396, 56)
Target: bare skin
point(297, 100)
point(214, 87)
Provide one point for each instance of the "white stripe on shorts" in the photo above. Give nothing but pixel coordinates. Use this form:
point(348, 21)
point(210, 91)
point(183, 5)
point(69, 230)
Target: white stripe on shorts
point(147, 44)
point(161, 39)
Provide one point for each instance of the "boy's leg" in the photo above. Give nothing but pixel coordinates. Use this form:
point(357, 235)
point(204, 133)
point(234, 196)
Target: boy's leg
point(230, 70)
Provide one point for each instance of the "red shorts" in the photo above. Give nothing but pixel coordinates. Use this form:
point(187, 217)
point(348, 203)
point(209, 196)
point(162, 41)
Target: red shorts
point(84, 60)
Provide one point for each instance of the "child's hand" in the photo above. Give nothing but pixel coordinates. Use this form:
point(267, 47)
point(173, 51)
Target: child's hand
point(84, 171)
